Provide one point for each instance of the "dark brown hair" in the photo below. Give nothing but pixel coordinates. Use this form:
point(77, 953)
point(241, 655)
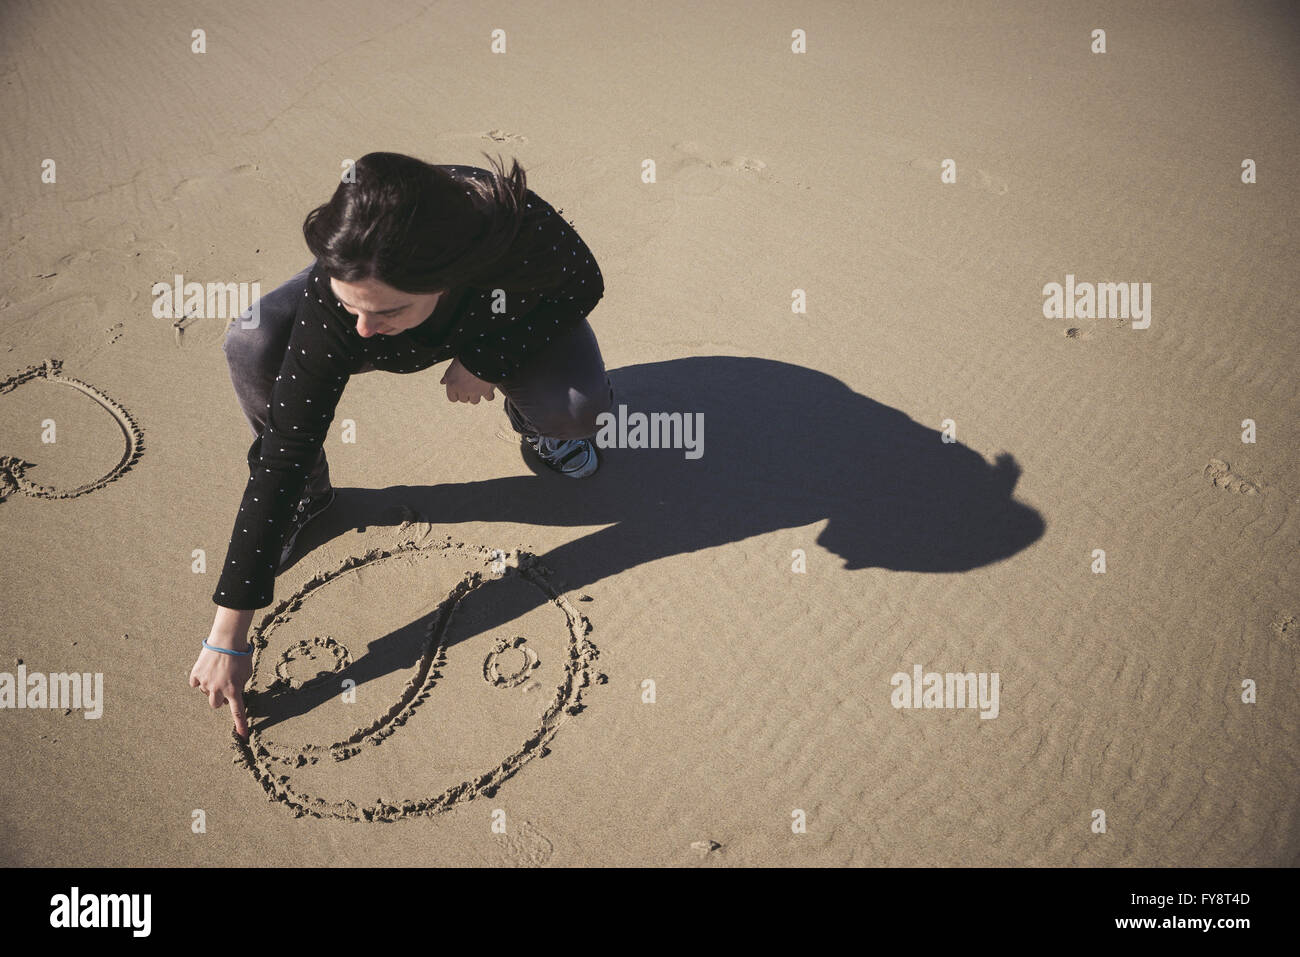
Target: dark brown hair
point(420, 228)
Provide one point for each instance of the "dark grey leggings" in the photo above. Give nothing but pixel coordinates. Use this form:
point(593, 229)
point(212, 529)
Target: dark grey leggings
point(558, 393)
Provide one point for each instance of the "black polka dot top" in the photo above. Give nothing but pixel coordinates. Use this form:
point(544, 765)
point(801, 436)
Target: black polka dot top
point(492, 332)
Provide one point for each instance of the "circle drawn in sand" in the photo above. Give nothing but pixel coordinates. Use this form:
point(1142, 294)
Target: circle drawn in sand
point(521, 662)
point(311, 652)
point(12, 467)
point(270, 763)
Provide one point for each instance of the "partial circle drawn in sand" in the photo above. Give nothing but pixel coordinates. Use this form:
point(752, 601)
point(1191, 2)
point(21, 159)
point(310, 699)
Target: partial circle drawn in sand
point(268, 762)
point(13, 469)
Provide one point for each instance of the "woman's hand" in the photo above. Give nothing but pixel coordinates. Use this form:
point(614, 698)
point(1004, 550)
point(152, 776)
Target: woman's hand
point(463, 386)
point(222, 677)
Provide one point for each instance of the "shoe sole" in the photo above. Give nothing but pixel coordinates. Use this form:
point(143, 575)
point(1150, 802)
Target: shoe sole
point(585, 470)
point(287, 551)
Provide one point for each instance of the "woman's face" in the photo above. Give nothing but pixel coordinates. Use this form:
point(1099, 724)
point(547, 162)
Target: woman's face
point(382, 310)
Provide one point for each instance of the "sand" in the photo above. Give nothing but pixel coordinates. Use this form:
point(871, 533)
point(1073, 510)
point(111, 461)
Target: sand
point(680, 661)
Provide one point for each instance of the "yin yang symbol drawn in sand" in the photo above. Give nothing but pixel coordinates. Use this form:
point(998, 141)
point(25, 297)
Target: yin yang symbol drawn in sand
point(13, 469)
point(411, 679)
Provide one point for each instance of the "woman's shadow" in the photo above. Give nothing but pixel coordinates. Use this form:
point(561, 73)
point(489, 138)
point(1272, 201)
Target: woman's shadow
point(782, 447)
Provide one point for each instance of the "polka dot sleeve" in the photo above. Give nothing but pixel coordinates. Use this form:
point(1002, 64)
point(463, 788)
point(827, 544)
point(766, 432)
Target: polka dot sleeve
point(317, 364)
point(538, 310)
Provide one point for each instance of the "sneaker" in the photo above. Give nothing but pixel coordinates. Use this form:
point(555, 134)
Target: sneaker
point(575, 458)
point(308, 508)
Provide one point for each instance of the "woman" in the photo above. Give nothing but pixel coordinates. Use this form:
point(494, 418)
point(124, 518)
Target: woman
point(415, 264)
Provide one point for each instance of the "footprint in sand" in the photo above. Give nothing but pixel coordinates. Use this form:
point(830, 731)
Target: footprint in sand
point(526, 847)
point(705, 848)
point(192, 184)
point(501, 136)
point(13, 470)
point(966, 176)
point(437, 684)
point(1220, 473)
point(701, 170)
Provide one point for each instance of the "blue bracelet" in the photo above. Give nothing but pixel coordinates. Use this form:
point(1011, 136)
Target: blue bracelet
point(227, 651)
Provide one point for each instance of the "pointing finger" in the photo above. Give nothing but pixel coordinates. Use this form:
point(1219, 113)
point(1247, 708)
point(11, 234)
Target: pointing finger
point(238, 713)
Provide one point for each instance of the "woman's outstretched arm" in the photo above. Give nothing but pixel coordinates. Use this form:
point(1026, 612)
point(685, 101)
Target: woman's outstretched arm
point(317, 363)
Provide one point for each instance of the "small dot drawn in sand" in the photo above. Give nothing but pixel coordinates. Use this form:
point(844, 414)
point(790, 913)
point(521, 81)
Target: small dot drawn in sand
point(517, 671)
point(310, 652)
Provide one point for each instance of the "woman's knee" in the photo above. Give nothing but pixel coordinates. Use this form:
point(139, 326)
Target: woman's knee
point(266, 325)
point(246, 344)
point(574, 413)
point(262, 331)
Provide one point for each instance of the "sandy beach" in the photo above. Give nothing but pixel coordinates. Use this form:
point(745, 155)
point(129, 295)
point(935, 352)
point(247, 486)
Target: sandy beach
point(961, 569)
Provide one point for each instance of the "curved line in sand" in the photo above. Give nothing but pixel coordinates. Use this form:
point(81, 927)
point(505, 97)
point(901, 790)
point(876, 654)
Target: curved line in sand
point(12, 468)
point(258, 756)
